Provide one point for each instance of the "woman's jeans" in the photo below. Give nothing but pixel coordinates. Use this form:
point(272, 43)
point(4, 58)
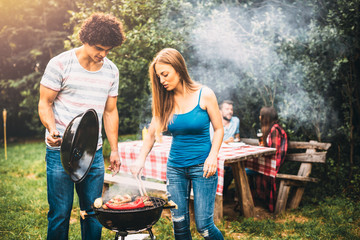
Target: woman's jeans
point(61, 194)
point(179, 181)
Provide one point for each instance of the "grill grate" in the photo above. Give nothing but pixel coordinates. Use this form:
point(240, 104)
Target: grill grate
point(157, 202)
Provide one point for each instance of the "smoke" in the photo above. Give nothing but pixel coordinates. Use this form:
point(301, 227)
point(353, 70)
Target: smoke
point(236, 51)
point(126, 184)
point(240, 44)
point(120, 188)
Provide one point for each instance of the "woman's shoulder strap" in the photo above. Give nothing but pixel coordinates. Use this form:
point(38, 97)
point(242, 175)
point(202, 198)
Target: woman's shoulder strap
point(200, 95)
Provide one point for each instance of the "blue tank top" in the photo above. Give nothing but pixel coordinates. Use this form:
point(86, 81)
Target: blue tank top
point(191, 137)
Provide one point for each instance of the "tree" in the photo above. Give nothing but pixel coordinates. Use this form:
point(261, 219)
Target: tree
point(343, 15)
point(30, 34)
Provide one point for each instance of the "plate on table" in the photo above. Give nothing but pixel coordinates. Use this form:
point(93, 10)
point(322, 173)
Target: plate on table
point(236, 144)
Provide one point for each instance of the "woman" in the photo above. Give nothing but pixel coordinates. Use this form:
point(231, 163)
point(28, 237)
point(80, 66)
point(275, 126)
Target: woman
point(273, 136)
point(185, 108)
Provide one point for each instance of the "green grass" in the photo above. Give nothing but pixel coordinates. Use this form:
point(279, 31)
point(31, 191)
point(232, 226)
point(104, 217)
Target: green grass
point(23, 208)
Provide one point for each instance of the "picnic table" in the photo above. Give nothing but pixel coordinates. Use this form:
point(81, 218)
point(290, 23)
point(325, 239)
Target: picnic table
point(253, 157)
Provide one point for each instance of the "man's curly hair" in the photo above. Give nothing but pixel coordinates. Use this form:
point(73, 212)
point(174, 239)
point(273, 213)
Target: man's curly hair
point(103, 29)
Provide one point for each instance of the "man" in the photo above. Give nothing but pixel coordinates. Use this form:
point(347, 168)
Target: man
point(74, 81)
point(231, 134)
point(230, 123)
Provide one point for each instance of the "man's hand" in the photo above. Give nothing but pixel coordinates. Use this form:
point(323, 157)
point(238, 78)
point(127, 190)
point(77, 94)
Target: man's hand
point(114, 162)
point(230, 139)
point(53, 139)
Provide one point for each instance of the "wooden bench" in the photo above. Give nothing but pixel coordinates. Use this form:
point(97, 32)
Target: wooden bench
point(315, 152)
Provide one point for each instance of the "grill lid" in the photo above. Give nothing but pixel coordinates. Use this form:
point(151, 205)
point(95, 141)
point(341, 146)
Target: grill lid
point(79, 145)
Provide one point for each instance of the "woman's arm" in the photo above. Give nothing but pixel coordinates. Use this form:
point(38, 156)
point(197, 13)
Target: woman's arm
point(209, 102)
point(148, 143)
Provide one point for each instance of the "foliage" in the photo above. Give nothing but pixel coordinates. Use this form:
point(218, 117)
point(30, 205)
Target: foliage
point(20, 97)
point(30, 34)
point(335, 46)
point(342, 15)
point(40, 23)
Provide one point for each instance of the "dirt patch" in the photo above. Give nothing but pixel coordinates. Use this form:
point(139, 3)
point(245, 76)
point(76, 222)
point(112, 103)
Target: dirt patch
point(238, 235)
point(232, 211)
point(31, 176)
point(291, 218)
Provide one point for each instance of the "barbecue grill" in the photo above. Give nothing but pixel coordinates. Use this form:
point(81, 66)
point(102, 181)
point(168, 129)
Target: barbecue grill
point(124, 221)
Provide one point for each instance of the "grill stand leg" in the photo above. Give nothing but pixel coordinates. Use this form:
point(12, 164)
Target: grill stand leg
point(122, 235)
point(151, 234)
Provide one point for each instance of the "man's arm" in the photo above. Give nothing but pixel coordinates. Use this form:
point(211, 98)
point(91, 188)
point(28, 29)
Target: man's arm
point(46, 114)
point(236, 133)
point(111, 125)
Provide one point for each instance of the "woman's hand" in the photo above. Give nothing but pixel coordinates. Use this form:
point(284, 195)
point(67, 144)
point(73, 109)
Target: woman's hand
point(210, 166)
point(137, 167)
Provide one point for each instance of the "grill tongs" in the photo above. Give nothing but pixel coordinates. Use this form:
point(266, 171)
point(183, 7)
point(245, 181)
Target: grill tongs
point(141, 187)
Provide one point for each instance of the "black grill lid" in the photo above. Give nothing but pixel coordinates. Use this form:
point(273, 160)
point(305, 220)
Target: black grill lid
point(79, 145)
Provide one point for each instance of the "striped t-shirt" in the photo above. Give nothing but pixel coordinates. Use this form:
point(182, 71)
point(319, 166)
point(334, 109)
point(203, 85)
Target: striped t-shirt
point(79, 89)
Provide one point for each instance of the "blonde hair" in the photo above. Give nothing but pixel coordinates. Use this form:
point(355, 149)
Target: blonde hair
point(163, 100)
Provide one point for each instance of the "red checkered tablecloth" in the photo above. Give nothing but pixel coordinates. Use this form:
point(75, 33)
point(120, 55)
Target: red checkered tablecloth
point(155, 164)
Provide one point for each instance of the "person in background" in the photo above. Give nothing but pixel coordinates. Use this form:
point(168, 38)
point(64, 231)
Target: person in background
point(231, 123)
point(273, 136)
point(185, 108)
point(73, 82)
point(231, 133)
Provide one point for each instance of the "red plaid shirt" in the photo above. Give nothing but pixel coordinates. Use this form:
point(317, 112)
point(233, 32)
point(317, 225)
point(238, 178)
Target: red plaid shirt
point(266, 185)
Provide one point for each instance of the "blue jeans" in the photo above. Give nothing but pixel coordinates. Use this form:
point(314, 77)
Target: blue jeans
point(61, 194)
point(179, 181)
